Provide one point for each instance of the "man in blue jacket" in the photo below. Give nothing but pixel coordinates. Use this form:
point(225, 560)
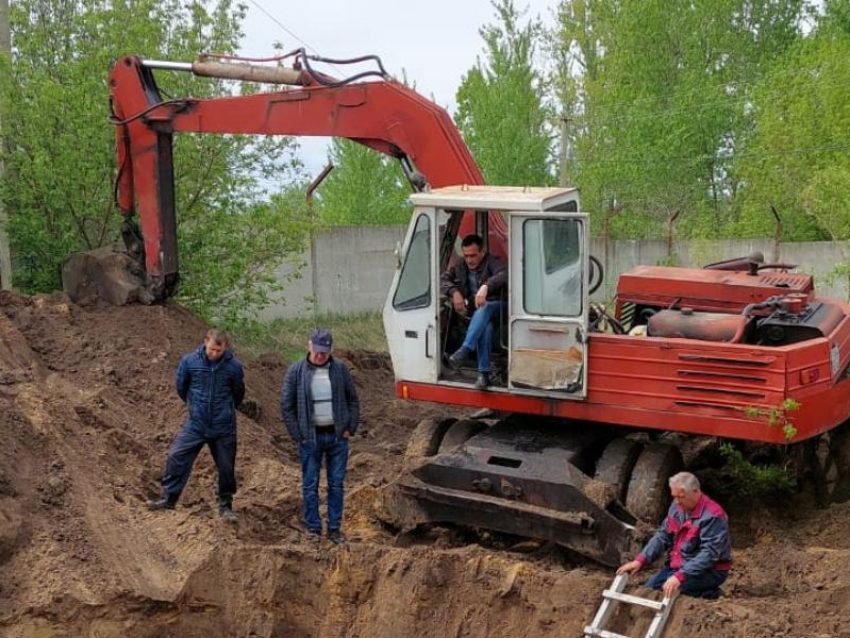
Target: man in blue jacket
point(696, 535)
point(211, 382)
point(319, 406)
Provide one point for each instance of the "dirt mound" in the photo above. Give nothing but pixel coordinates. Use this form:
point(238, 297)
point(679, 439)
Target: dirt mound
point(87, 410)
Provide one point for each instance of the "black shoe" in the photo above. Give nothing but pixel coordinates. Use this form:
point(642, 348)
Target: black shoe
point(167, 502)
point(227, 514)
point(336, 537)
point(458, 359)
point(483, 381)
point(314, 533)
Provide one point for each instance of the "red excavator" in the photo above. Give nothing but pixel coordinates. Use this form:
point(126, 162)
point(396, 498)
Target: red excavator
point(577, 436)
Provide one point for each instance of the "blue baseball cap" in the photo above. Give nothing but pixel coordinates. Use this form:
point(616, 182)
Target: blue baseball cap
point(322, 340)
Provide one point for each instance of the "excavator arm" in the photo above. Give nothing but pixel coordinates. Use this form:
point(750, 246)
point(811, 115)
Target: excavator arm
point(383, 115)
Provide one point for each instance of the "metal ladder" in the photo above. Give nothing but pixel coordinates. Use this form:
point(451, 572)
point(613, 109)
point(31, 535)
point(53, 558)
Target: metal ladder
point(610, 597)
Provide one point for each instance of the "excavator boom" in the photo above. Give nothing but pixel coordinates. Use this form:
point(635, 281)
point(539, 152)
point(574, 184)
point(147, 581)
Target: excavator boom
point(383, 115)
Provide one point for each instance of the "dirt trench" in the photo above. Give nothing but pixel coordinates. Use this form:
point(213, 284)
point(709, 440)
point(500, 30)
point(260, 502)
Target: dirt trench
point(87, 410)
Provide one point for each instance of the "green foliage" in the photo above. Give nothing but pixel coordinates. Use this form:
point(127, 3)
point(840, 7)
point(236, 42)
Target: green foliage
point(656, 98)
point(796, 158)
point(61, 149)
point(777, 416)
point(365, 188)
point(750, 479)
point(500, 113)
point(236, 259)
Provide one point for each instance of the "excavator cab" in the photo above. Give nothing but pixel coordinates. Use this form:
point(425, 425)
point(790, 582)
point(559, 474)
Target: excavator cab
point(518, 475)
point(540, 342)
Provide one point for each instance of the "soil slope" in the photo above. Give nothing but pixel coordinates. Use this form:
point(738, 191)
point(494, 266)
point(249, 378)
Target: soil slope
point(87, 410)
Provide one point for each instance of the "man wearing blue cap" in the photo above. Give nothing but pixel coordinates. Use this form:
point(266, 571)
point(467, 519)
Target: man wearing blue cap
point(319, 406)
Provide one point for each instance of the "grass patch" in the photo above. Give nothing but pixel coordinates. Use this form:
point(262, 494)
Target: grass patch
point(289, 336)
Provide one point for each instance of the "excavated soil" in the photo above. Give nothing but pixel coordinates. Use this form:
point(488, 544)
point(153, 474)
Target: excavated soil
point(87, 410)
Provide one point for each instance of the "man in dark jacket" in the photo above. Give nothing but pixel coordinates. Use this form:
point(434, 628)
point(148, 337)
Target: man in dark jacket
point(210, 381)
point(319, 406)
point(696, 535)
point(476, 283)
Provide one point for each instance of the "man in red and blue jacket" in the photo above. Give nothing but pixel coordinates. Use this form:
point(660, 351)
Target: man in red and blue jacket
point(696, 535)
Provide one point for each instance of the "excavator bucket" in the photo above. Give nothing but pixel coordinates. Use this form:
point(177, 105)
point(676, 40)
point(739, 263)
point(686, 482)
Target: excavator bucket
point(105, 274)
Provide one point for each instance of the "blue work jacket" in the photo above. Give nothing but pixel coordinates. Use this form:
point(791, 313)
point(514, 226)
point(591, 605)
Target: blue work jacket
point(212, 390)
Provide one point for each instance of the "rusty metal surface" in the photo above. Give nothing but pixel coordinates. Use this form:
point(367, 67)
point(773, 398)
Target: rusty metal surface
point(708, 290)
point(685, 323)
point(523, 479)
point(546, 369)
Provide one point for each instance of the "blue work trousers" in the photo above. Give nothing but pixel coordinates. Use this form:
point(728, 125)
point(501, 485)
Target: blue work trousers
point(183, 452)
point(333, 450)
point(479, 335)
point(705, 585)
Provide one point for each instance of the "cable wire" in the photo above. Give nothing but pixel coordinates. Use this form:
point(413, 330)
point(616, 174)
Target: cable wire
point(288, 31)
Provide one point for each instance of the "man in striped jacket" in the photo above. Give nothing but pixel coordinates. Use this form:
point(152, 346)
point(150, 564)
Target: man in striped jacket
point(696, 535)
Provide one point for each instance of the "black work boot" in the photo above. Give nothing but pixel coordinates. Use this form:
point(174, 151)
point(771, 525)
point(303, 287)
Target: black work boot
point(226, 512)
point(483, 381)
point(167, 502)
point(336, 537)
point(457, 360)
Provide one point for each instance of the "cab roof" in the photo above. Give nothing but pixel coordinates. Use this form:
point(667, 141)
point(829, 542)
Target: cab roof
point(519, 198)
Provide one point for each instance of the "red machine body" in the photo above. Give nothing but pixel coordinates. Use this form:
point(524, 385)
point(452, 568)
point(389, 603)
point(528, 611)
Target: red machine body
point(696, 382)
point(384, 115)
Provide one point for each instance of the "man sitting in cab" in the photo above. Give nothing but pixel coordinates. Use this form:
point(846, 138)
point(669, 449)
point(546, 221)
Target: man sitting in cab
point(475, 285)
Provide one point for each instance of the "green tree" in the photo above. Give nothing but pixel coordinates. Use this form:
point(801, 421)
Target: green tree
point(61, 157)
point(796, 157)
point(365, 188)
point(501, 112)
point(655, 94)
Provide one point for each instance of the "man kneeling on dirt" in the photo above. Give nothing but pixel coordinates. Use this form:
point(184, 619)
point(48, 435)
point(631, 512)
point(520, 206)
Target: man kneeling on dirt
point(210, 381)
point(696, 534)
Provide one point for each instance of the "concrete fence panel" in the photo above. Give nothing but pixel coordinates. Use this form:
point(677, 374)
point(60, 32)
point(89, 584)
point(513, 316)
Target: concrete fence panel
point(350, 269)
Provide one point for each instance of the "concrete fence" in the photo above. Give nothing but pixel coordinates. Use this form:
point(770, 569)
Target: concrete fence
point(350, 269)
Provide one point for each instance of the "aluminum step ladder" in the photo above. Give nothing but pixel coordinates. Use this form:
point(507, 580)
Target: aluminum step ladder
point(610, 597)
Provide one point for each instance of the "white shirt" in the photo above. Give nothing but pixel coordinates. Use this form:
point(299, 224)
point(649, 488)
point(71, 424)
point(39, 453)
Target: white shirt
point(322, 397)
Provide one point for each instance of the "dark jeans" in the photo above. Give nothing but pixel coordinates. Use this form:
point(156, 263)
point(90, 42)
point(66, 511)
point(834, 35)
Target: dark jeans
point(183, 452)
point(479, 335)
point(334, 450)
point(705, 585)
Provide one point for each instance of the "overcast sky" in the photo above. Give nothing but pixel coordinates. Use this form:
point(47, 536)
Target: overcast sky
point(433, 42)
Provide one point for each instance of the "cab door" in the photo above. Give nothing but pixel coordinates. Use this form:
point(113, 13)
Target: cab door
point(410, 309)
point(548, 303)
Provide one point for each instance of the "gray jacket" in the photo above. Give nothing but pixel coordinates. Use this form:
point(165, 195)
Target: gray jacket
point(296, 400)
